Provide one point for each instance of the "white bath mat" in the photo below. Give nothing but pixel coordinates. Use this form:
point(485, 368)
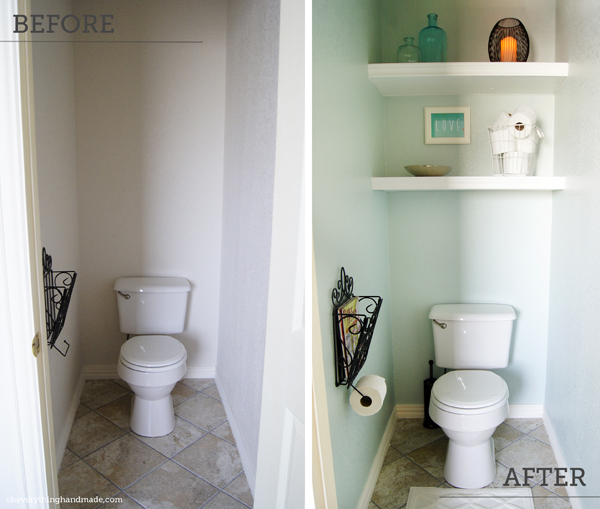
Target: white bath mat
point(485, 498)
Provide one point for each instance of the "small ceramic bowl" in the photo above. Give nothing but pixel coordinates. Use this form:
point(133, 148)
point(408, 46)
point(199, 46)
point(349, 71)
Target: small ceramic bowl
point(428, 170)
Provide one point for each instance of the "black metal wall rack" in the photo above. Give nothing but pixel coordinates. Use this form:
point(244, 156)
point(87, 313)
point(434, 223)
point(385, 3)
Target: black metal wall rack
point(58, 288)
point(352, 331)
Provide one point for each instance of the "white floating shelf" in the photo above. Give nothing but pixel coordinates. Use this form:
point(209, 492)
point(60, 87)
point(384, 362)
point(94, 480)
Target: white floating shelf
point(468, 183)
point(459, 78)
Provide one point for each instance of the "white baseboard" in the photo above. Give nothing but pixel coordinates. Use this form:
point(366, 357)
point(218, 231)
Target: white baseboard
point(560, 459)
point(514, 411)
point(367, 493)
point(61, 443)
point(247, 464)
point(409, 411)
point(109, 372)
point(100, 372)
point(525, 411)
point(200, 372)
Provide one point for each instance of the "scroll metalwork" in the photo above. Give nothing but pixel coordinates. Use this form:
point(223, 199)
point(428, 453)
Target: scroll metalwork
point(58, 289)
point(352, 331)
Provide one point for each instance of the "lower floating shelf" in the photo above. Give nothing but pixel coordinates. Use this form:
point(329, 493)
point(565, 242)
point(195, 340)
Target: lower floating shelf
point(468, 183)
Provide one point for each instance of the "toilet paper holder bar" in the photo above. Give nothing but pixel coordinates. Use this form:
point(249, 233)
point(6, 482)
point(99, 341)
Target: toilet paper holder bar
point(354, 320)
point(365, 401)
point(58, 288)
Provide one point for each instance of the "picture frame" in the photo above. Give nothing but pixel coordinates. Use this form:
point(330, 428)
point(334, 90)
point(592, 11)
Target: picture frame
point(448, 125)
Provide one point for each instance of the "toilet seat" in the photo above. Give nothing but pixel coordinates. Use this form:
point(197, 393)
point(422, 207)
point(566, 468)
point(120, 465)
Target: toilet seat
point(469, 392)
point(152, 353)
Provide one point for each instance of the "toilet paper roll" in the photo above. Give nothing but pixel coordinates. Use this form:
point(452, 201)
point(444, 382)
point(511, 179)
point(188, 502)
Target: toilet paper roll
point(373, 389)
point(502, 120)
point(527, 145)
point(515, 164)
point(521, 122)
point(501, 141)
point(498, 165)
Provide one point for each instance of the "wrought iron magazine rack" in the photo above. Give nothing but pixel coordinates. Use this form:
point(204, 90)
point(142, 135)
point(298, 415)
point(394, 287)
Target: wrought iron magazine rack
point(352, 331)
point(58, 288)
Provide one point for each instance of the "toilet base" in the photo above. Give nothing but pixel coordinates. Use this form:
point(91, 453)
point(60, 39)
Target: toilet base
point(470, 467)
point(152, 418)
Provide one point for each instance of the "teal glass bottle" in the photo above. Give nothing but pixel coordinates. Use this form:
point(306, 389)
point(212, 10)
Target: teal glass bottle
point(432, 42)
point(408, 52)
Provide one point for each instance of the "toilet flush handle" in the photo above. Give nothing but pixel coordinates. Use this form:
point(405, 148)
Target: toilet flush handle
point(442, 325)
point(126, 295)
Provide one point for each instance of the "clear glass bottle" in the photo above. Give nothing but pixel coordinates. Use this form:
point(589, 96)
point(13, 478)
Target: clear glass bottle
point(432, 42)
point(408, 52)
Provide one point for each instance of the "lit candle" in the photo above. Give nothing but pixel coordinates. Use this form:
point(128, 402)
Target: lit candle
point(508, 49)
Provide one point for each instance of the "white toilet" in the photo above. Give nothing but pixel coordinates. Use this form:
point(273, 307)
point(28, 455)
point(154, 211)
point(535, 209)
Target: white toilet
point(470, 402)
point(150, 362)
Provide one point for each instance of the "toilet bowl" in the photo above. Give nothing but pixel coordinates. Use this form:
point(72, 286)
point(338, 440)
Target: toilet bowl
point(151, 366)
point(469, 405)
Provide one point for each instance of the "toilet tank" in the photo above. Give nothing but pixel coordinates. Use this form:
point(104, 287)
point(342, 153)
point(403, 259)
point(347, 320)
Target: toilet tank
point(152, 305)
point(472, 336)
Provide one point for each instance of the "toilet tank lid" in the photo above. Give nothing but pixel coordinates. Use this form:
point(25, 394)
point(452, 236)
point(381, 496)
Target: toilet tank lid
point(472, 312)
point(152, 284)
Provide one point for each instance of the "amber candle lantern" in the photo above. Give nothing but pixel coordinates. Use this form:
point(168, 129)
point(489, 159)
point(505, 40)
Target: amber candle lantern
point(508, 42)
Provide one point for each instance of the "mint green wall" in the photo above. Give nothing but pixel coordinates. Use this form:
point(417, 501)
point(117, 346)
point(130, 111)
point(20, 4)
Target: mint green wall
point(404, 132)
point(472, 246)
point(349, 220)
point(475, 246)
point(573, 339)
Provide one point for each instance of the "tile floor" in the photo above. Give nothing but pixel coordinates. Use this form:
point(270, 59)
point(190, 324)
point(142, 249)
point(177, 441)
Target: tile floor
point(196, 466)
point(416, 458)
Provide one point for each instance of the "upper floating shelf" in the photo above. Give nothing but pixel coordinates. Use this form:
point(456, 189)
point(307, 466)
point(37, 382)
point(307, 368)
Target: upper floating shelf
point(459, 78)
point(468, 183)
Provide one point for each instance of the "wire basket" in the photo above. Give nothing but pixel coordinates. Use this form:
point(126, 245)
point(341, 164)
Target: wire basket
point(514, 149)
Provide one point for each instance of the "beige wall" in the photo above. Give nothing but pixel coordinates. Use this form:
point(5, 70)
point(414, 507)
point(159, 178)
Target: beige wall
point(54, 90)
point(150, 128)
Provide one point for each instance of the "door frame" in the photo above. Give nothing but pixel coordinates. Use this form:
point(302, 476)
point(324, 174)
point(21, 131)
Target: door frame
point(323, 475)
point(31, 470)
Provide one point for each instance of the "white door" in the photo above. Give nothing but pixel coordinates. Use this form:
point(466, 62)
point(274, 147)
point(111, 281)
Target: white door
point(280, 469)
point(27, 466)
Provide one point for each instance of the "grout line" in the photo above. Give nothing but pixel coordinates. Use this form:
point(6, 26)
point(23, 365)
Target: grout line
point(121, 490)
point(221, 438)
point(107, 443)
point(76, 460)
point(146, 474)
point(195, 474)
point(205, 503)
point(135, 500)
point(101, 475)
point(210, 385)
point(525, 433)
point(184, 400)
point(514, 442)
point(193, 424)
point(424, 470)
point(224, 493)
point(190, 445)
point(230, 483)
point(507, 445)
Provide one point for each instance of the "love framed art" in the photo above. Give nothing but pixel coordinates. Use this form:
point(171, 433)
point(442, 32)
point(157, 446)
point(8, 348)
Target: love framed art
point(448, 125)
